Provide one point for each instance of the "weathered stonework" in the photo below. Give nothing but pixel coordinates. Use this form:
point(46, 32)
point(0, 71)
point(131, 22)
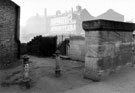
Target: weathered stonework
point(9, 32)
point(109, 45)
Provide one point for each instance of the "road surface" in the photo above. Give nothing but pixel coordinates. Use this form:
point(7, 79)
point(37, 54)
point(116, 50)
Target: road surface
point(71, 81)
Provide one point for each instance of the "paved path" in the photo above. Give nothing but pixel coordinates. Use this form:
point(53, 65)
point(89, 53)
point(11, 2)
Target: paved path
point(121, 82)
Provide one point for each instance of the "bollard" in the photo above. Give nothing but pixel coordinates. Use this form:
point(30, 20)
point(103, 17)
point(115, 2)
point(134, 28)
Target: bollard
point(57, 65)
point(26, 79)
point(26, 66)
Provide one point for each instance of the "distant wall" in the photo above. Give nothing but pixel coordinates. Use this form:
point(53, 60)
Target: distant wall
point(77, 48)
point(109, 45)
point(23, 49)
point(9, 32)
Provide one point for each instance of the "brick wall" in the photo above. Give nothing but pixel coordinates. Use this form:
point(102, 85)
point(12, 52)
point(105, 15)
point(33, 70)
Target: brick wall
point(9, 31)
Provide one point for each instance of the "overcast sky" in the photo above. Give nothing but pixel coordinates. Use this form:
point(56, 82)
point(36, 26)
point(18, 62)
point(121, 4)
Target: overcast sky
point(95, 7)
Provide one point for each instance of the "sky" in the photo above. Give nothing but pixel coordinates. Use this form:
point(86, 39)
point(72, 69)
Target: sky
point(95, 7)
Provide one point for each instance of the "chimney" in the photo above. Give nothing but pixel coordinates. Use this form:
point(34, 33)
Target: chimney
point(78, 8)
point(45, 12)
point(72, 10)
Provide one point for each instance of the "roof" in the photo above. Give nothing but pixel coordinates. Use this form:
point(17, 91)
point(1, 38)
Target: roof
point(9, 1)
point(83, 14)
point(14, 3)
point(111, 15)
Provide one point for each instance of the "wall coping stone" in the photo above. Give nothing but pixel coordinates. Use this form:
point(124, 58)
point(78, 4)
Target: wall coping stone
point(108, 25)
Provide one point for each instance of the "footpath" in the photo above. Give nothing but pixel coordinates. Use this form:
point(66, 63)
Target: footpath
point(122, 81)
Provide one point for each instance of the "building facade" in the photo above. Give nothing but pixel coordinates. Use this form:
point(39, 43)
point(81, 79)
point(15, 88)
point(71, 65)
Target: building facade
point(9, 32)
point(68, 23)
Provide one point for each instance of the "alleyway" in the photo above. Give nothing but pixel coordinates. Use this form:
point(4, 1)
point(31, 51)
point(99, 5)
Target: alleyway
point(71, 81)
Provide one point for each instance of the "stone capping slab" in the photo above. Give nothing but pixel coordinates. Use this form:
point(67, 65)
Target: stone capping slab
point(108, 25)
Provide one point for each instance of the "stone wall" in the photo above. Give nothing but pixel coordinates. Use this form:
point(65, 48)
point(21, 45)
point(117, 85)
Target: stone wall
point(9, 32)
point(108, 46)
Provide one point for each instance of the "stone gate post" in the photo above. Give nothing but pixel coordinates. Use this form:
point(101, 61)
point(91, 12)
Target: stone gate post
point(108, 46)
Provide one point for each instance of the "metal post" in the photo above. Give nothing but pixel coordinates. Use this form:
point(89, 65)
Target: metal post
point(26, 79)
point(57, 64)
